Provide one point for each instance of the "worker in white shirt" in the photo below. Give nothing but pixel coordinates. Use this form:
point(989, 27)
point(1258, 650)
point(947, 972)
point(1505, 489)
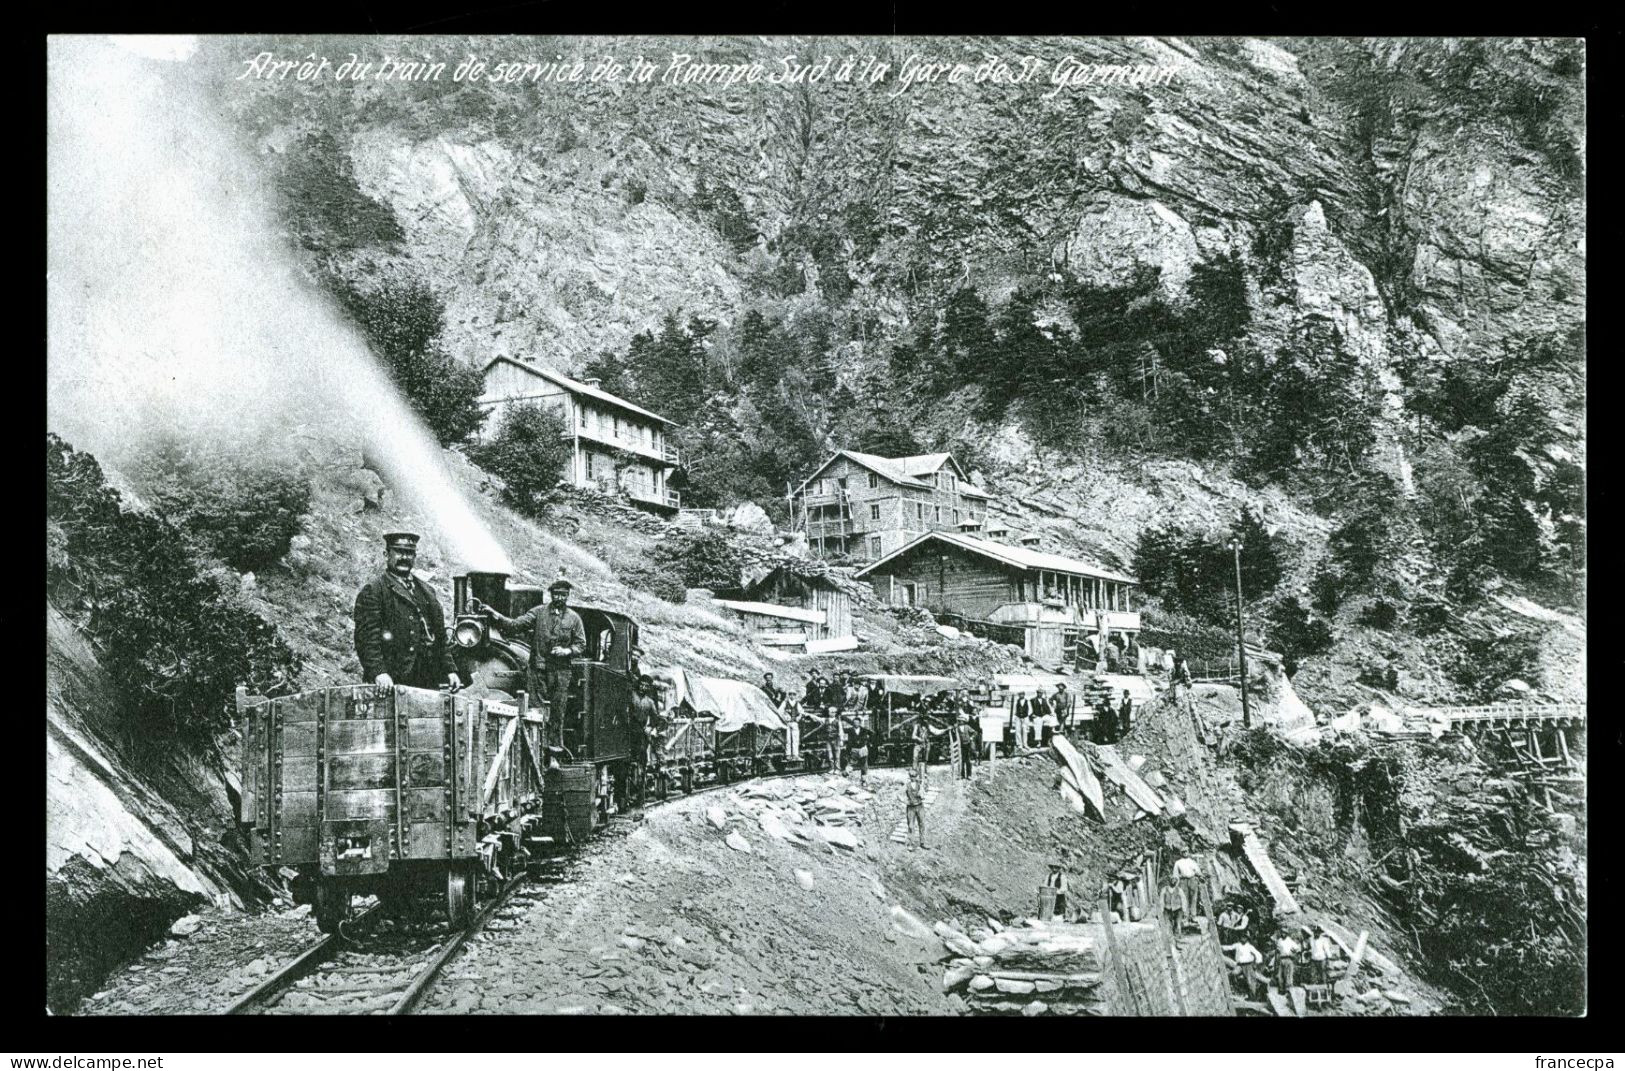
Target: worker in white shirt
point(1320, 957)
point(1186, 872)
point(1248, 959)
point(1286, 952)
point(1232, 926)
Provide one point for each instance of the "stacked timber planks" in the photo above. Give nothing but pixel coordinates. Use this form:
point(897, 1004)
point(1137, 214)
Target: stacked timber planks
point(1077, 776)
point(1253, 849)
point(1143, 795)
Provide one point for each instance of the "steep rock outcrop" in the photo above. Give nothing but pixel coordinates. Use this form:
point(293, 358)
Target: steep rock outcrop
point(125, 854)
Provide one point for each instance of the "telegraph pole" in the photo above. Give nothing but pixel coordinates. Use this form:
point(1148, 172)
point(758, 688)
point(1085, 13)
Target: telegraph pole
point(1241, 643)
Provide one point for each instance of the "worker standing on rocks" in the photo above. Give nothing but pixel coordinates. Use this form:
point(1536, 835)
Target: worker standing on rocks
point(966, 748)
point(1320, 958)
point(1186, 871)
point(1106, 719)
point(1173, 908)
point(1024, 708)
point(1233, 924)
point(916, 807)
point(1181, 678)
point(1248, 958)
point(1125, 713)
point(1286, 951)
point(860, 749)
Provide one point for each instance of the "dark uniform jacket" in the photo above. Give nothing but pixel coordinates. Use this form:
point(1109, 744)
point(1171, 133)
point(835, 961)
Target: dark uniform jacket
point(400, 630)
point(545, 630)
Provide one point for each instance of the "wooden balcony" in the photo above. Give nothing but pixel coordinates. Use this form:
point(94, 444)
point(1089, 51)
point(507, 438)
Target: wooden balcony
point(631, 444)
point(828, 528)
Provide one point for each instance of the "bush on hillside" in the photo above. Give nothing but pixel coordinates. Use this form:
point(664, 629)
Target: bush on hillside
point(661, 583)
point(701, 558)
point(243, 512)
point(402, 322)
point(1380, 614)
point(1196, 573)
point(1296, 634)
point(323, 203)
point(176, 643)
point(528, 454)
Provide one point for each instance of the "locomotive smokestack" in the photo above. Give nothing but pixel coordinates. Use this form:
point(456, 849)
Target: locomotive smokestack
point(459, 595)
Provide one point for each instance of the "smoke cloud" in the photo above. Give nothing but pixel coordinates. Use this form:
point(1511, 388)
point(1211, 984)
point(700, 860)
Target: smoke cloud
point(173, 302)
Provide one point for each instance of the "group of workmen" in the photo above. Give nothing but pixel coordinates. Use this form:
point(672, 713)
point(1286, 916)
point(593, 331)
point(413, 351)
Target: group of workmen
point(1290, 950)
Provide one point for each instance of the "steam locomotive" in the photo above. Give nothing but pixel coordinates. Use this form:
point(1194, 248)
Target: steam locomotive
point(402, 792)
point(399, 791)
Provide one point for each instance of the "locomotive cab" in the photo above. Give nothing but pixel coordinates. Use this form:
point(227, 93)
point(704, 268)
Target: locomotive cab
point(596, 724)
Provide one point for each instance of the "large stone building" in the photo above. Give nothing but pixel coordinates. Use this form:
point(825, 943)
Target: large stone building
point(865, 506)
point(616, 446)
point(1066, 609)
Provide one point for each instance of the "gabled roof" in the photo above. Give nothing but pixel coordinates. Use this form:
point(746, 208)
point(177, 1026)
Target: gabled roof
point(904, 471)
point(920, 465)
point(1021, 557)
point(885, 466)
point(924, 464)
point(575, 386)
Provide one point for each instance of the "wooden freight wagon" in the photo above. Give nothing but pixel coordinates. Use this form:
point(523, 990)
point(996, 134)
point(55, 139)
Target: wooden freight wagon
point(688, 752)
point(388, 790)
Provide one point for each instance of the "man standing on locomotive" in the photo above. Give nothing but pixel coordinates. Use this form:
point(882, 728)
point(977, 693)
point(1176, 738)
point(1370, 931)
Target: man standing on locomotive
point(400, 630)
point(556, 636)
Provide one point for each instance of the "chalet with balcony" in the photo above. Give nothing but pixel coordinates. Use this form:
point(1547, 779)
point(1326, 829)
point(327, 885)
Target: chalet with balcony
point(1064, 609)
point(865, 506)
point(617, 447)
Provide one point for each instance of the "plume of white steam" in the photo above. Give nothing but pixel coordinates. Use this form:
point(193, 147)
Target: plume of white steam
point(172, 299)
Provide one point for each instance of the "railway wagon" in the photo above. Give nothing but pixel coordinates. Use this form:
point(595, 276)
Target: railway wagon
point(395, 791)
point(686, 754)
point(906, 702)
point(749, 736)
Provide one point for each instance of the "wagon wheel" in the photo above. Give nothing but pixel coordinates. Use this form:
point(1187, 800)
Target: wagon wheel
point(461, 892)
point(331, 905)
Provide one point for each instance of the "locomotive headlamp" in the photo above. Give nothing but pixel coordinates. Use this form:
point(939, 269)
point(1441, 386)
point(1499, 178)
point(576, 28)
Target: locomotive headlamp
point(470, 632)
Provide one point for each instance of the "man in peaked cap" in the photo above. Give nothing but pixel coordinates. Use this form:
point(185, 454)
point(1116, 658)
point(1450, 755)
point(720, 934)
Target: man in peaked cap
point(400, 631)
point(556, 636)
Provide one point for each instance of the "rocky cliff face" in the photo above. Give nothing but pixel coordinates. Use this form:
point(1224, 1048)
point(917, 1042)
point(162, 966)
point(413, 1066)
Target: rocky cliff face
point(130, 844)
point(1423, 199)
point(559, 220)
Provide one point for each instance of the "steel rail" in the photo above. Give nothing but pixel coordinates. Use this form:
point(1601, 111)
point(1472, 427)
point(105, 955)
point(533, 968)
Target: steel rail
point(303, 964)
point(313, 957)
point(409, 999)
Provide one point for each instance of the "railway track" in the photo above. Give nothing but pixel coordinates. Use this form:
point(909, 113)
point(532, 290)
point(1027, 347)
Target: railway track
point(378, 964)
